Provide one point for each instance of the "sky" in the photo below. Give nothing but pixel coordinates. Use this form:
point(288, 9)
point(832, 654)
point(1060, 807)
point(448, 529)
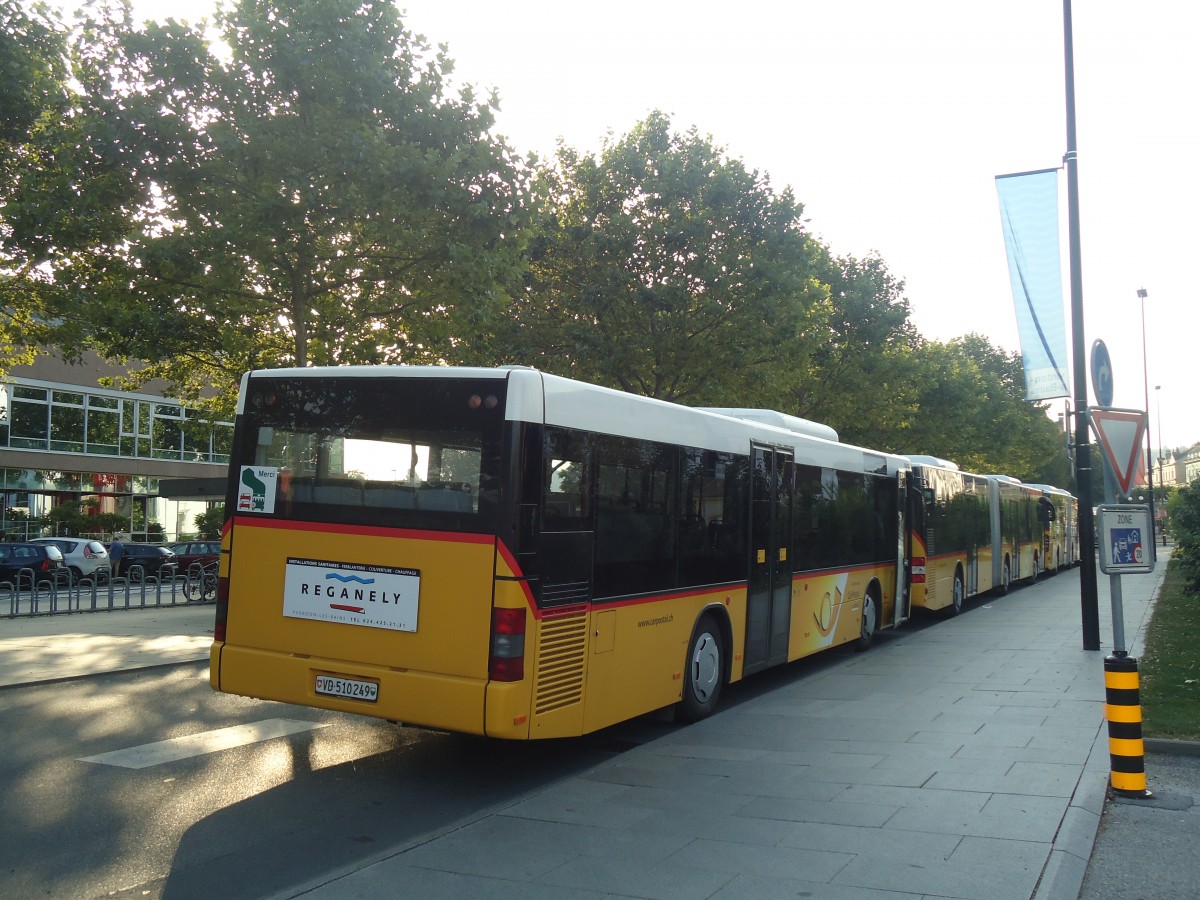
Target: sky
point(890, 120)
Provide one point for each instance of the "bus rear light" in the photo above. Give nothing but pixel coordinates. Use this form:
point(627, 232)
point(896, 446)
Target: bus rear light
point(918, 570)
point(222, 609)
point(507, 659)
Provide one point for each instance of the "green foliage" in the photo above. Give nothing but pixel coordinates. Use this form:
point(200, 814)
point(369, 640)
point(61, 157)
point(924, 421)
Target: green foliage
point(1183, 513)
point(210, 522)
point(860, 379)
point(971, 409)
point(70, 519)
point(666, 269)
point(313, 196)
point(1170, 667)
point(33, 73)
point(109, 523)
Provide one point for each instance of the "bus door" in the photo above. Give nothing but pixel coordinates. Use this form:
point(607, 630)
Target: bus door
point(769, 603)
point(912, 535)
point(904, 557)
point(976, 537)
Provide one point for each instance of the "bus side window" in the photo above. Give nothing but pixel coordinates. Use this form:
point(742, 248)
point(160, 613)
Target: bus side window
point(567, 482)
point(390, 496)
point(444, 498)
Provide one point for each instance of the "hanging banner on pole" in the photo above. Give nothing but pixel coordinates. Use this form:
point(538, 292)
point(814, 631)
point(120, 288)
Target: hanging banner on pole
point(1029, 217)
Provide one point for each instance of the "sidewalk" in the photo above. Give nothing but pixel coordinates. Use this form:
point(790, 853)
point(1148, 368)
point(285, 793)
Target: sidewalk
point(968, 759)
point(54, 647)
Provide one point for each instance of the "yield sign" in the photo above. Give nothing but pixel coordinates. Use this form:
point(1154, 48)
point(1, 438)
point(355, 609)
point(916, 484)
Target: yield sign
point(1120, 432)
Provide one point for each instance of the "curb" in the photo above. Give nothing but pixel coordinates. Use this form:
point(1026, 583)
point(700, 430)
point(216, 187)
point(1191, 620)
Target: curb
point(1067, 864)
point(61, 679)
point(1170, 747)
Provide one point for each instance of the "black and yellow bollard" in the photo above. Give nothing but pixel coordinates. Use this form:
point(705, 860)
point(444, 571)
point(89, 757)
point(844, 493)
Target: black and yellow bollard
point(1123, 709)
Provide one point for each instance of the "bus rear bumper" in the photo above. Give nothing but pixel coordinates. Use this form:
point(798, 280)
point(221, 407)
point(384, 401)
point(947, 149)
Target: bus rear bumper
point(424, 699)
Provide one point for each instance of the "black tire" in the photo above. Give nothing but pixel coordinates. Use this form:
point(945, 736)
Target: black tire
point(960, 595)
point(869, 624)
point(704, 670)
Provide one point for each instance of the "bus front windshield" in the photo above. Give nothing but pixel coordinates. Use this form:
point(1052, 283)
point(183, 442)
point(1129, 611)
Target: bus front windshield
point(391, 451)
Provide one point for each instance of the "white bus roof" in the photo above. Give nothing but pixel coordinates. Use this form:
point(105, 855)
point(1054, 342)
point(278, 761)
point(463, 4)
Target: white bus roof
point(778, 419)
point(535, 396)
point(918, 460)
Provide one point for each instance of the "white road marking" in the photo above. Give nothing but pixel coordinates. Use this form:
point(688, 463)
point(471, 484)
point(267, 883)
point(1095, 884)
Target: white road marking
point(205, 742)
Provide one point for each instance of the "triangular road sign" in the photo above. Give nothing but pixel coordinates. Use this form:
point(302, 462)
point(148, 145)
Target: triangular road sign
point(1120, 432)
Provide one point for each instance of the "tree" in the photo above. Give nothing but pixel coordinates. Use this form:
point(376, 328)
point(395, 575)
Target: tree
point(304, 193)
point(1183, 512)
point(860, 378)
point(33, 70)
point(664, 268)
point(972, 410)
point(210, 522)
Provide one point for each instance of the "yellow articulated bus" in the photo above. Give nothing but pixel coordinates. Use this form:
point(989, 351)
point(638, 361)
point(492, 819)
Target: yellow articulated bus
point(970, 534)
point(1019, 517)
point(1058, 516)
point(508, 553)
point(952, 545)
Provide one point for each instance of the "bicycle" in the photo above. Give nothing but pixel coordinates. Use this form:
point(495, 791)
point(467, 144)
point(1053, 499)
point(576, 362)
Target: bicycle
point(201, 583)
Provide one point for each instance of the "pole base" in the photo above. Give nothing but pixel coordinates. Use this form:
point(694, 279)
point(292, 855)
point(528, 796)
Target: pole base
point(1143, 794)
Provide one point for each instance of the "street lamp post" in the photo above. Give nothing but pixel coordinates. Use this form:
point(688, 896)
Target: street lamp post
point(1161, 483)
point(1089, 610)
point(1149, 454)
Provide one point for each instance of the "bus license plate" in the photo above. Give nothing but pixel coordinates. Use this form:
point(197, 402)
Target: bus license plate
point(350, 688)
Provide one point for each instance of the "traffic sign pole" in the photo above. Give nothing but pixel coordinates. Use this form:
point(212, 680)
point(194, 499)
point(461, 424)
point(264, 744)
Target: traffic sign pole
point(1123, 534)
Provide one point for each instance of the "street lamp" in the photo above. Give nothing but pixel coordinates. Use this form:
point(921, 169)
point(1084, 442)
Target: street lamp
point(1158, 414)
point(1149, 456)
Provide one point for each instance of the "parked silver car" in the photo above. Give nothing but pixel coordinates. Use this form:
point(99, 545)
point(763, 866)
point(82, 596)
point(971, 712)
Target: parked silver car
point(85, 558)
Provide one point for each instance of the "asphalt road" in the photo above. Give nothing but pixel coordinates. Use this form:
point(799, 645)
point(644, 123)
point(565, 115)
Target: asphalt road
point(1150, 849)
point(90, 811)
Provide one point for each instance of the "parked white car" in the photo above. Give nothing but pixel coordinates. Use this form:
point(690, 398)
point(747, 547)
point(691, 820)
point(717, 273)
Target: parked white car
point(85, 558)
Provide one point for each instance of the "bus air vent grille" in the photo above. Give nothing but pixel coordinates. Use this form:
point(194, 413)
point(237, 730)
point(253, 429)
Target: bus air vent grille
point(561, 592)
point(560, 663)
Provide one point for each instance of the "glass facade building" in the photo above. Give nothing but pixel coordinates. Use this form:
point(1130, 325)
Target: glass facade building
point(112, 451)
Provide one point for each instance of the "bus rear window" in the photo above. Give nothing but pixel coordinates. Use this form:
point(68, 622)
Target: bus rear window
point(377, 451)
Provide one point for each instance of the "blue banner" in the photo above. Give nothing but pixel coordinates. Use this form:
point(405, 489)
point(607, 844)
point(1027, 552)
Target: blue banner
point(1029, 215)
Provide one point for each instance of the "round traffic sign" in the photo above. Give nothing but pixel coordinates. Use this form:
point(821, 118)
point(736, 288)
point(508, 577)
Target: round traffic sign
point(1102, 379)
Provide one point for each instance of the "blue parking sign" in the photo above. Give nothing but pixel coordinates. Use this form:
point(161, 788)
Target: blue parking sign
point(1124, 535)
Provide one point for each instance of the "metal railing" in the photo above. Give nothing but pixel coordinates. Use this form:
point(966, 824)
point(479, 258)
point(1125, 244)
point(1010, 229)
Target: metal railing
point(39, 593)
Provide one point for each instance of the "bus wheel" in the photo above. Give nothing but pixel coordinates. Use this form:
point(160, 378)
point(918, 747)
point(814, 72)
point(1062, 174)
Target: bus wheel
point(870, 621)
point(705, 671)
point(960, 594)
